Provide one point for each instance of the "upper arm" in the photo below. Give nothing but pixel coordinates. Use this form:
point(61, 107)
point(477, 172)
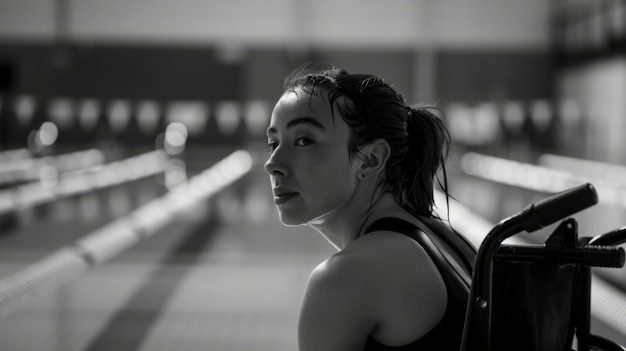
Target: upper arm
point(334, 314)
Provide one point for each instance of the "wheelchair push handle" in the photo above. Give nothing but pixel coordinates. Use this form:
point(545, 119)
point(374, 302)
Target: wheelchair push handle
point(536, 216)
point(615, 237)
point(608, 241)
point(601, 256)
point(558, 206)
point(588, 255)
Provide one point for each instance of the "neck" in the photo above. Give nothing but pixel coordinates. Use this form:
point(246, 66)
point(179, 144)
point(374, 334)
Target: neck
point(341, 227)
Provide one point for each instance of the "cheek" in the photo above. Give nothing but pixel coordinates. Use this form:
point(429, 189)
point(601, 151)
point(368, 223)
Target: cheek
point(333, 176)
point(329, 165)
point(326, 170)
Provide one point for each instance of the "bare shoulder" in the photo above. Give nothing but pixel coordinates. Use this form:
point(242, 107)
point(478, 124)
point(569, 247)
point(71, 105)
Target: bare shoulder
point(382, 285)
point(380, 257)
point(410, 293)
point(335, 313)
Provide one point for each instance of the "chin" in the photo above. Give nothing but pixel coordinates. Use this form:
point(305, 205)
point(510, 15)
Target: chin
point(292, 219)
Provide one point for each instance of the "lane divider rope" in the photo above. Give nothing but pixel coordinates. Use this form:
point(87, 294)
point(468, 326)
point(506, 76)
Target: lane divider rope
point(81, 181)
point(71, 262)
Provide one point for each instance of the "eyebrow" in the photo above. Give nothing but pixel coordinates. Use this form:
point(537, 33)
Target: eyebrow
point(298, 121)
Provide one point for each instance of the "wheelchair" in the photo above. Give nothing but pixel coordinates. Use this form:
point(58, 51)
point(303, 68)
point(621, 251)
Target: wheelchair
point(537, 297)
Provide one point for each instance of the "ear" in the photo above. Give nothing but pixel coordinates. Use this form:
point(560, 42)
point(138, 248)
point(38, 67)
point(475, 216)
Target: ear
point(373, 158)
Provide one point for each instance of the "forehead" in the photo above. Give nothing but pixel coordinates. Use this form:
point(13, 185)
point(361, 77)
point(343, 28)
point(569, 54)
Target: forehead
point(298, 103)
point(298, 99)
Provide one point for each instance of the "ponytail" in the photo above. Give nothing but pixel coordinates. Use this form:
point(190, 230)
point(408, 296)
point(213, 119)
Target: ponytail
point(428, 142)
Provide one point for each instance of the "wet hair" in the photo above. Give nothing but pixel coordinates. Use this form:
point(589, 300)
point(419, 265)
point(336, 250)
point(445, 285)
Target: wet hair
point(374, 110)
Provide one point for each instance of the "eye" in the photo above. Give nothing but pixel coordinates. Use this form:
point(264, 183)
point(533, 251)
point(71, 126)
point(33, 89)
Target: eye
point(303, 141)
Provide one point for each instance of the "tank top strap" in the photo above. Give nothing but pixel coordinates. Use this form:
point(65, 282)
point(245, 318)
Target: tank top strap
point(448, 333)
point(423, 235)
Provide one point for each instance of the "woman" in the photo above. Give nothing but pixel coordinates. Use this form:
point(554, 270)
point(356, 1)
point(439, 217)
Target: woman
point(350, 159)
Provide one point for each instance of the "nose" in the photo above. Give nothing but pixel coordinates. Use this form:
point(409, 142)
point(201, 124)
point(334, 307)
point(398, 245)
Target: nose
point(275, 166)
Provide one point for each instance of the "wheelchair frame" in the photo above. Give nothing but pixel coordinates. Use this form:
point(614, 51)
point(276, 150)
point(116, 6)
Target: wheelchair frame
point(562, 247)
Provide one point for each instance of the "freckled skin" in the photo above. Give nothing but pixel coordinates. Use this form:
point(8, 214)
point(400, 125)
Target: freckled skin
point(312, 161)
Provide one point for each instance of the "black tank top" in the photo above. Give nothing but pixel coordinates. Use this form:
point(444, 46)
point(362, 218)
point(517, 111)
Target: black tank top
point(447, 334)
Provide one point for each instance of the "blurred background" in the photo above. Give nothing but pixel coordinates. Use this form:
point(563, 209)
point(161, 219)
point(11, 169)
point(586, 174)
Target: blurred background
point(134, 210)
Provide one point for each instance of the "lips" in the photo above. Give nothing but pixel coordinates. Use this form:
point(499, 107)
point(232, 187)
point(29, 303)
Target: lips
point(282, 196)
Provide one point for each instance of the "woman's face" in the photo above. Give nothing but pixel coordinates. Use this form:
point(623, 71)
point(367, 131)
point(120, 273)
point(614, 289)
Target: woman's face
point(310, 169)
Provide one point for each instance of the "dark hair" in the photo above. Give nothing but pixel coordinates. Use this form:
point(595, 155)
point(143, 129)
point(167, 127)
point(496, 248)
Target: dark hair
point(374, 110)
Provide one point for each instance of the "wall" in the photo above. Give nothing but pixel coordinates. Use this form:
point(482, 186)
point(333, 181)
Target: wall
point(596, 127)
point(433, 51)
point(371, 23)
